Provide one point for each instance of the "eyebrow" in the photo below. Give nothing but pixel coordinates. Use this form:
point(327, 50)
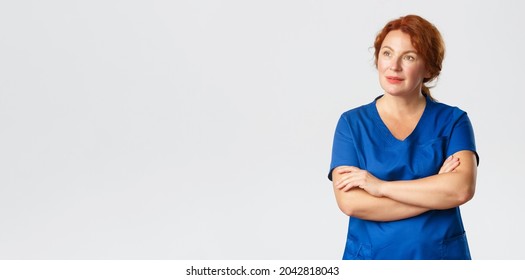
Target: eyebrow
point(409, 51)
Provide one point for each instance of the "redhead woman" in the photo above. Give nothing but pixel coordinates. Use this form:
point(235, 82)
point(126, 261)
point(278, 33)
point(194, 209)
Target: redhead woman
point(403, 164)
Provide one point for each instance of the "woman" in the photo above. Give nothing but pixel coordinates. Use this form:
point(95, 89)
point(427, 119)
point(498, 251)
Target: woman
point(403, 164)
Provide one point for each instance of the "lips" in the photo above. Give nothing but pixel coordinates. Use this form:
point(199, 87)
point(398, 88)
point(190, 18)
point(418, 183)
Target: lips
point(394, 79)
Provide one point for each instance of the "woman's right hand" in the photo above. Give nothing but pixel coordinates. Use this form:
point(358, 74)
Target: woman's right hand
point(449, 165)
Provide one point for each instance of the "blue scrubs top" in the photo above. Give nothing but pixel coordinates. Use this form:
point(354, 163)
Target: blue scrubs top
point(363, 140)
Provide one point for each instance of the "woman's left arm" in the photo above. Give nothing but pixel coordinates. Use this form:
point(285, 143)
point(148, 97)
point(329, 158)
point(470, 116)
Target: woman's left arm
point(441, 191)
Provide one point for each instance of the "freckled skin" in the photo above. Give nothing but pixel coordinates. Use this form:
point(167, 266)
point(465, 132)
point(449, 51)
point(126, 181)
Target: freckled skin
point(398, 58)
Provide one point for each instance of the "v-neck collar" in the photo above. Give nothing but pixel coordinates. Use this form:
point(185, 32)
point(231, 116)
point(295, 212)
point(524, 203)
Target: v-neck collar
point(387, 133)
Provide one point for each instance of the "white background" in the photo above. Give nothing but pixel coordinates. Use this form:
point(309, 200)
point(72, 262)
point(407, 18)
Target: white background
point(203, 129)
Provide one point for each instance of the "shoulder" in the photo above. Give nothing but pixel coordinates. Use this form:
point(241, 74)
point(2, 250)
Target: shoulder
point(358, 113)
point(446, 112)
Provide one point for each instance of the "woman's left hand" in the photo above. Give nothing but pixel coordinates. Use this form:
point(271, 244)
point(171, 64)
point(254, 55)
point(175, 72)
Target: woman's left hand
point(354, 177)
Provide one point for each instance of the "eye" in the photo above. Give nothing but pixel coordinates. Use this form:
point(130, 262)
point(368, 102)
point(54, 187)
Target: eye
point(386, 53)
point(410, 58)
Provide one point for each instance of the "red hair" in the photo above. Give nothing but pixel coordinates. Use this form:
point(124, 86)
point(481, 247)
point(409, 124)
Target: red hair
point(425, 38)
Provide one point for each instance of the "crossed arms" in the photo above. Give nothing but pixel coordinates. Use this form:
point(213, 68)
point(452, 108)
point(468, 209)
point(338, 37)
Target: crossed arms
point(360, 194)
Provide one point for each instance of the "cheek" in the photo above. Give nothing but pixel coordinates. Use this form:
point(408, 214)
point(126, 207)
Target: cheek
point(414, 73)
point(382, 65)
point(417, 72)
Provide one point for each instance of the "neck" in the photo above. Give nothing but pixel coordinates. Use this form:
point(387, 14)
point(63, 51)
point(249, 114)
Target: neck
point(402, 105)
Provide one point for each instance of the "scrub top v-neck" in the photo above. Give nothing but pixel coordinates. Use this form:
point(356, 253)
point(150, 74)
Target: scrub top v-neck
point(386, 131)
point(363, 140)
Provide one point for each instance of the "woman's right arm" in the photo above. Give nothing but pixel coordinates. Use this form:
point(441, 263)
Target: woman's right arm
point(358, 203)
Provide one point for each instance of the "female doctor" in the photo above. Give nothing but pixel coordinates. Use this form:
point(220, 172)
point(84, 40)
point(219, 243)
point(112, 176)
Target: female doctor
point(403, 164)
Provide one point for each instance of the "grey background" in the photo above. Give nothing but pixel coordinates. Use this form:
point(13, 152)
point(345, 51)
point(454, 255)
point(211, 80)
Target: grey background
point(203, 129)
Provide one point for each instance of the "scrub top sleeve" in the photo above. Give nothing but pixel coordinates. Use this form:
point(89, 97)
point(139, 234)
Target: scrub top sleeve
point(343, 148)
point(462, 137)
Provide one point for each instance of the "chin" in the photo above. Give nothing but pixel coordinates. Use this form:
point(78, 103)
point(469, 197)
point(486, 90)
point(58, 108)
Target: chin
point(396, 91)
point(393, 92)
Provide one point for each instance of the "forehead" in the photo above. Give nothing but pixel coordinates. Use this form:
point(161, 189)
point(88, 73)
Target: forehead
point(398, 41)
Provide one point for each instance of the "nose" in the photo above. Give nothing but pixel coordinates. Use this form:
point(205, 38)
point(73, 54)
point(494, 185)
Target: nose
point(395, 64)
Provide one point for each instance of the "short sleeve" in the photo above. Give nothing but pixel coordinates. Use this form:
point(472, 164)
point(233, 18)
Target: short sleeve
point(462, 137)
point(343, 148)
